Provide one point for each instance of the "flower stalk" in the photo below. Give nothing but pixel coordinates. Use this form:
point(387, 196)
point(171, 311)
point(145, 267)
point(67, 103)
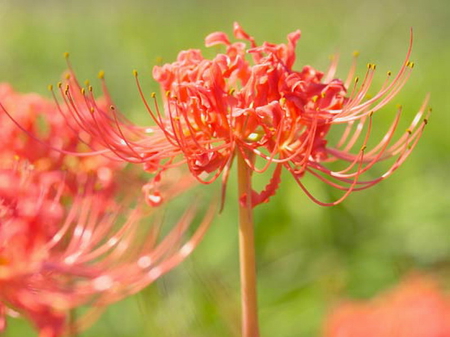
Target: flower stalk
point(249, 301)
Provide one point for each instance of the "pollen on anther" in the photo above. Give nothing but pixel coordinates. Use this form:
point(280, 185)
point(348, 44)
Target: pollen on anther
point(153, 95)
point(66, 55)
point(101, 74)
point(356, 53)
point(50, 87)
point(135, 73)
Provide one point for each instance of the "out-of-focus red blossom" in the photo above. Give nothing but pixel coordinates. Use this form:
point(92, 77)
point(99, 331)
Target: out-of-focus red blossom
point(415, 308)
point(249, 101)
point(59, 251)
point(44, 138)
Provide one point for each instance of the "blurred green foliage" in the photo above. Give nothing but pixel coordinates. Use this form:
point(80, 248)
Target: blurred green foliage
point(308, 256)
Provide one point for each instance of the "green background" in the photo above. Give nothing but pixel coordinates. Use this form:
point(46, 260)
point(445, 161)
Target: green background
point(308, 256)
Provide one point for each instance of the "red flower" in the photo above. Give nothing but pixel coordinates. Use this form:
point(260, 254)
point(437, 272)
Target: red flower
point(250, 100)
point(415, 308)
point(44, 138)
point(59, 251)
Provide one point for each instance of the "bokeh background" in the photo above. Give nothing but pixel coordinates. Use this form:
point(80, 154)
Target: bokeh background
point(309, 257)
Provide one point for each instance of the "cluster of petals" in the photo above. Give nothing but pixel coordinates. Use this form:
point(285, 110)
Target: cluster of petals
point(34, 130)
point(66, 239)
point(415, 308)
point(55, 257)
point(249, 101)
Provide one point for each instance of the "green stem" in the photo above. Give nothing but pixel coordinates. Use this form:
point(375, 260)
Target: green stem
point(247, 252)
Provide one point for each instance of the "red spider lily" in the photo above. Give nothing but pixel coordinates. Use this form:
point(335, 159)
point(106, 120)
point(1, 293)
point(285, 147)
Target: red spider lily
point(250, 101)
point(55, 257)
point(415, 308)
point(44, 138)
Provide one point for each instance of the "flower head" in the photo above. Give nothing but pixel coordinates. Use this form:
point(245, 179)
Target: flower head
point(416, 307)
point(250, 101)
point(45, 139)
point(60, 250)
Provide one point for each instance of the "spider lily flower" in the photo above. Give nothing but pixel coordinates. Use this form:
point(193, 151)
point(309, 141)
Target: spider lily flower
point(250, 101)
point(415, 307)
point(44, 139)
point(56, 256)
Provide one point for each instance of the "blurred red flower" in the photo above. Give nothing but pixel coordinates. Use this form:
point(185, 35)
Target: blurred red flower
point(417, 307)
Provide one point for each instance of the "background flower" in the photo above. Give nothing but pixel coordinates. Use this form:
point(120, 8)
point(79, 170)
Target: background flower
point(415, 307)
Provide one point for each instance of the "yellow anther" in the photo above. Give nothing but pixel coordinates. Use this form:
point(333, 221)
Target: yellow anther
point(167, 93)
point(67, 76)
point(50, 87)
point(425, 121)
point(399, 106)
point(389, 73)
point(91, 110)
point(112, 107)
point(59, 84)
point(411, 65)
point(83, 91)
point(371, 113)
point(101, 74)
point(355, 53)
point(90, 88)
point(66, 55)
point(152, 95)
point(282, 101)
point(356, 79)
point(314, 99)
point(135, 73)
point(323, 95)
point(369, 65)
point(87, 83)
point(231, 91)
point(363, 148)
point(409, 131)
